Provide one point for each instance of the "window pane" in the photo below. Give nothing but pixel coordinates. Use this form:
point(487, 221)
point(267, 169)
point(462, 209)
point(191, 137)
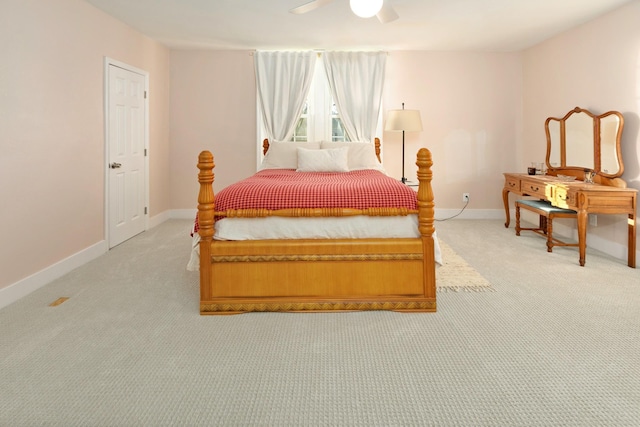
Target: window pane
point(300, 133)
point(337, 131)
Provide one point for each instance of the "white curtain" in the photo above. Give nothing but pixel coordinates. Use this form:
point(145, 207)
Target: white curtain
point(356, 80)
point(283, 80)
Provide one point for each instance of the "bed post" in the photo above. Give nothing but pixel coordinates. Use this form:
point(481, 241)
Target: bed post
point(206, 207)
point(426, 219)
point(376, 143)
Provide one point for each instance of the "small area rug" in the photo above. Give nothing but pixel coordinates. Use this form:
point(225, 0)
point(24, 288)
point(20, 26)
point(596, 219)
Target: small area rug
point(456, 275)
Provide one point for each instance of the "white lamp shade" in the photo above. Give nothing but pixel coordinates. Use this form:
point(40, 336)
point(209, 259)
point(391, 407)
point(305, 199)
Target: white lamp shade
point(406, 120)
point(365, 8)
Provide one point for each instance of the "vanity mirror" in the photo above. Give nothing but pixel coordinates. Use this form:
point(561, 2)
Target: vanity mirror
point(584, 142)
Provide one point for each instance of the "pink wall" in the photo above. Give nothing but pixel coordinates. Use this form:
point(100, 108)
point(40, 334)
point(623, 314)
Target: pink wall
point(595, 66)
point(213, 107)
point(471, 119)
point(52, 129)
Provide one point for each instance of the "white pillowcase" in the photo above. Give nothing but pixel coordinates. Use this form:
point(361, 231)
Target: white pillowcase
point(332, 160)
point(284, 155)
point(362, 155)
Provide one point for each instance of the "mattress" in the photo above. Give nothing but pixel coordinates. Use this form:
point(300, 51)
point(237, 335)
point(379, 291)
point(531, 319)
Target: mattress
point(355, 227)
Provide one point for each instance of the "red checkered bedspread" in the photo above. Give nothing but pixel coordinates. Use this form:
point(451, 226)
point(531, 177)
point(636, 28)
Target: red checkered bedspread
point(285, 188)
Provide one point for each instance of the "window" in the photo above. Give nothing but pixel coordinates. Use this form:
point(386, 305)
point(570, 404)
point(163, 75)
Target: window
point(320, 120)
point(323, 121)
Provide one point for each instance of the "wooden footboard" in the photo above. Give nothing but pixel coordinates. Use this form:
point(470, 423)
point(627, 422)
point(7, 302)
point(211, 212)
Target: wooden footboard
point(317, 275)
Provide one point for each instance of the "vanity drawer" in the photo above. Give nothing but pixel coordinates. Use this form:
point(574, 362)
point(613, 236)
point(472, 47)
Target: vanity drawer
point(511, 183)
point(533, 188)
point(564, 197)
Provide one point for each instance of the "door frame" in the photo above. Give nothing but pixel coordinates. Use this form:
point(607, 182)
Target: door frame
point(107, 63)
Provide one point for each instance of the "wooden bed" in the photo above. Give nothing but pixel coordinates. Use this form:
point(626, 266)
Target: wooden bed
point(318, 275)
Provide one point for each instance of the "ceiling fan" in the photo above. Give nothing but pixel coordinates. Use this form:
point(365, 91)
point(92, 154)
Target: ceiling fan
point(363, 8)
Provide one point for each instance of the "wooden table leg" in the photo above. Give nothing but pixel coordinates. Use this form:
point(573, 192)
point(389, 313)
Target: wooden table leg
point(582, 234)
point(631, 262)
point(505, 199)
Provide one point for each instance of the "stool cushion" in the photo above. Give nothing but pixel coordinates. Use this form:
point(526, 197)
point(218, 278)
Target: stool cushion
point(545, 206)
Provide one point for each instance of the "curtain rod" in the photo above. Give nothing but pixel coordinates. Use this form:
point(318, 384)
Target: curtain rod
point(319, 52)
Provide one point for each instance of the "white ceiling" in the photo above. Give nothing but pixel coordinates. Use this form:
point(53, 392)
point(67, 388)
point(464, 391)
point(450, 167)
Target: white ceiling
point(435, 25)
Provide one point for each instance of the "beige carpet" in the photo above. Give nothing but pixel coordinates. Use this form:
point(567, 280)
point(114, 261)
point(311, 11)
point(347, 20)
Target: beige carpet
point(556, 345)
point(456, 275)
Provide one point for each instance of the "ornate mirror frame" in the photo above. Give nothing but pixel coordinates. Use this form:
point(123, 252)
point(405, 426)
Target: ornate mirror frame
point(582, 141)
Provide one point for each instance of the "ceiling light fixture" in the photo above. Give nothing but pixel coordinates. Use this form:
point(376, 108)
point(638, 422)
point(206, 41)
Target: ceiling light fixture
point(365, 8)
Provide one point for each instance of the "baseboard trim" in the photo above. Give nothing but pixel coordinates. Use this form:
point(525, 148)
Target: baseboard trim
point(24, 287)
point(446, 214)
point(156, 220)
point(183, 214)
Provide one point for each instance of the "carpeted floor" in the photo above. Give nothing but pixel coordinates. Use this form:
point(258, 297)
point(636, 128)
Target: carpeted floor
point(555, 344)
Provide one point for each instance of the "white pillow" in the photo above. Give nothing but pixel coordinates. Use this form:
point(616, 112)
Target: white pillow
point(362, 155)
point(284, 155)
point(334, 160)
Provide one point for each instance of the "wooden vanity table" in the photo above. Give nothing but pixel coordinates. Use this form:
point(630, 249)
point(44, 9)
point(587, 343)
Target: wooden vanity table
point(593, 144)
point(581, 197)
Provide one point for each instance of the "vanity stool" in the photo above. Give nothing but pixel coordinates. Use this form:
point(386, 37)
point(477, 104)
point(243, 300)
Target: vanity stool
point(547, 213)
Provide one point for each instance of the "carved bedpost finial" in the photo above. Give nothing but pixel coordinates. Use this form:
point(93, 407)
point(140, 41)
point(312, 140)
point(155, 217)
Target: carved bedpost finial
point(206, 205)
point(265, 146)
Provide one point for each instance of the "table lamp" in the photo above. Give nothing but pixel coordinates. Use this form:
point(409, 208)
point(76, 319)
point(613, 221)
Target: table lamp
point(405, 121)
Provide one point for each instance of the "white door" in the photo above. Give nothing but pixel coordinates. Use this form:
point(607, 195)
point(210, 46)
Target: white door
point(126, 154)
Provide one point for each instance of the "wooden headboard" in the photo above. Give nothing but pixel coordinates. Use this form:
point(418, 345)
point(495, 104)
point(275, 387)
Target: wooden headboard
point(265, 147)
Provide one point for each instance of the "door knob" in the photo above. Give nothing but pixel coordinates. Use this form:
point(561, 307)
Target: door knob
point(115, 165)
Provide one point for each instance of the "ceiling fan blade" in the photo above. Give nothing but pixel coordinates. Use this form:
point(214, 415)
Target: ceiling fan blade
point(387, 13)
point(308, 7)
